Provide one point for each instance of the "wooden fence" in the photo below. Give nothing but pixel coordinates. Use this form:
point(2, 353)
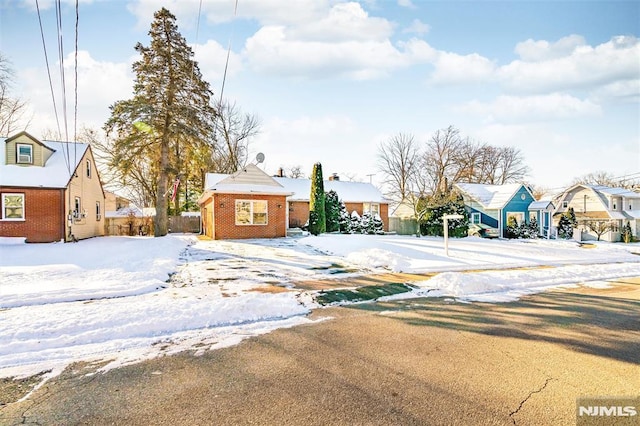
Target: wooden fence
point(144, 225)
point(184, 224)
point(403, 226)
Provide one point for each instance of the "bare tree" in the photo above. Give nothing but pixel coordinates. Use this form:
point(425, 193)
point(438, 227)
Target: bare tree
point(12, 109)
point(512, 167)
point(603, 178)
point(233, 132)
point(295, 172)
point(442, 159)
point(598, 227)
point(399, 160)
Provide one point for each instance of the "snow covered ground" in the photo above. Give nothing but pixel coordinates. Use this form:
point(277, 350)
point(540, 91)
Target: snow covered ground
point(126, 299)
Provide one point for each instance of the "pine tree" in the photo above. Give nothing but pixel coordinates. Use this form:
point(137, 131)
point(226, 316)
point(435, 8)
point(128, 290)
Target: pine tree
point(366, 223)
point(332, 211)
point(438, 206)
point(356, 223)
point(513, 229)
point(345, 219)
point(565, 226)
point(626, 234)
point(169, 119)
point(317, 218)
point(378, 224)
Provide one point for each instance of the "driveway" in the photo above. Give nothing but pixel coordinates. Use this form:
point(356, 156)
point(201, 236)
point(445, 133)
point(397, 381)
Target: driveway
point(419, 361)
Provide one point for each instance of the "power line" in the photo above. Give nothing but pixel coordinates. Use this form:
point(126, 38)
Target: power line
point(226, 64)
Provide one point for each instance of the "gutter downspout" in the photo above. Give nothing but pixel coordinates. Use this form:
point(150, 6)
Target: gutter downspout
point(500, 224)
point(63, 224)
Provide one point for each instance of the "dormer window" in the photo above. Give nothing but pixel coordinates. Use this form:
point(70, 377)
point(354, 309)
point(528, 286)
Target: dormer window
point(24, 153)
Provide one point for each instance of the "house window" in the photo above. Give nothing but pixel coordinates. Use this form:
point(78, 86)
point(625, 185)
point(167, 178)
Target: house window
point(533, 216)
point(98, 211)
point(373, 208)
point(565, 204)
point(615, 206)
point(76, 208)
point(475, 218)
point(251, 212)
point(12, 206)
point(24, 153)
point(518, 216)
point(88, 168)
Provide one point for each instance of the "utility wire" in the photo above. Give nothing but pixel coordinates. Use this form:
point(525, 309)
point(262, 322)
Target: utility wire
point(46, 60)
point(226, 64)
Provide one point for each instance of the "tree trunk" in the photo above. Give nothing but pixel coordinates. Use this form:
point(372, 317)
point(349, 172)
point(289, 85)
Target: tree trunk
point(161, 224)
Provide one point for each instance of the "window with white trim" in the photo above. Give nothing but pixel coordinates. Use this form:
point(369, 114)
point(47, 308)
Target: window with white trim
point(373, 208)
point(12, 206)
point(88, 169)
point(24, 153)
point(251, 212)
point(533, 216)
point(475, 218)
point(519, 217)
point(76, 208)
point(98, 211)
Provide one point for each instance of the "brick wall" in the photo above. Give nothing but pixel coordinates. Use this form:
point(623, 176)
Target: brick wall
point(225, 227)
point(298, 213)
point(44, 215)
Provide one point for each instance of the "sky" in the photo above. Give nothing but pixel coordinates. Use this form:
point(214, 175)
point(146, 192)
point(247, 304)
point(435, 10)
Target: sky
point(331, 80)
point(108, 300)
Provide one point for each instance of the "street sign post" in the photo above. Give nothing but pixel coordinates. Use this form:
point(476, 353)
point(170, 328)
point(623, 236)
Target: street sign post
point(446, 218)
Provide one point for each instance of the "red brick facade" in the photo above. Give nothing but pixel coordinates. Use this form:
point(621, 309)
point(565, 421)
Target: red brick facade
point(44, 215)
point(221, 209)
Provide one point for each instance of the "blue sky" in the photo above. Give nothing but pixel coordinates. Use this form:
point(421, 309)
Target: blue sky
point(331, 80)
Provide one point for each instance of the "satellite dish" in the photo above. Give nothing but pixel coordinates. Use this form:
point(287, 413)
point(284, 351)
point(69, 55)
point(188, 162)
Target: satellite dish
point(259, 158)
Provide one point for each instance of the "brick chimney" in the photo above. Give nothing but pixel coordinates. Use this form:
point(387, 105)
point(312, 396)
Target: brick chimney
point(280, 172)
point(334, 176)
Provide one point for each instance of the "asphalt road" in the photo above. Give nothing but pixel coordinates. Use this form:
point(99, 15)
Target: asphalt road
point(417, 362)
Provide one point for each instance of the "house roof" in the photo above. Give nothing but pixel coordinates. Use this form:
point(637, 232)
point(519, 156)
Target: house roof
point(56, 172)
point(248, 180)
point(297, 189)
point(348, 192)
point(613, 192)
point(541, 205)
point(491, 197)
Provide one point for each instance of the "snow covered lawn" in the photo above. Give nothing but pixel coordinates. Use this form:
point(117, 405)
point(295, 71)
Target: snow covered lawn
point(125, 299)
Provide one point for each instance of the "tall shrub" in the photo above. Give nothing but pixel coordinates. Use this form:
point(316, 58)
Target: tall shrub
point(317, 215)
point(332, 211)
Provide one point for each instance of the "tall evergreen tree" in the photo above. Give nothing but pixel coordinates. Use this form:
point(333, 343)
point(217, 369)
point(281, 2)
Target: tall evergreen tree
point(317, 217)
point(169, 119)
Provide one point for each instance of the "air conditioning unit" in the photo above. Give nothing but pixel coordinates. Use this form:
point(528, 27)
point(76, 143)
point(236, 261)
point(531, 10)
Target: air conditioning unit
point(24, 159)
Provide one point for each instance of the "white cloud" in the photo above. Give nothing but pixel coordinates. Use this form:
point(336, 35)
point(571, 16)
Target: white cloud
point(344, 22)
point(100, 84)
point(541, 50)
point(306, 140)
point(271, 51)
point(451, 68)
point(211, 58)
point(406, 3)
point(417, 27)
point(569, 64)
point(509, 109)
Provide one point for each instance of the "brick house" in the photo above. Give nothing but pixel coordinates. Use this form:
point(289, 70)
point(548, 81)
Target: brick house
point(356, 196)
point(252, 204)
point(246, 204)
point(50, 191)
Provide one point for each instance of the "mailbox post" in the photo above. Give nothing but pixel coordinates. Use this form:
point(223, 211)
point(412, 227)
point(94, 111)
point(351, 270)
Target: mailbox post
point(446, 218)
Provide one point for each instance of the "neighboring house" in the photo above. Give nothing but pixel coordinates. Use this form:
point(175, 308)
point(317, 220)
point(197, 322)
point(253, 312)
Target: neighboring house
point(600, 206)
point(252, 204)
point(50, 191)
point(357, 196)
point(491, 206)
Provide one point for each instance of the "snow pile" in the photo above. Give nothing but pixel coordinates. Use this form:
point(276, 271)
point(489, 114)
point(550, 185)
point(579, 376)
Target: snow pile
point(126, 299)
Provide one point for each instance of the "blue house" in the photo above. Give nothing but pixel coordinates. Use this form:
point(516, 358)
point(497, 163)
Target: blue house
point(491, 206)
